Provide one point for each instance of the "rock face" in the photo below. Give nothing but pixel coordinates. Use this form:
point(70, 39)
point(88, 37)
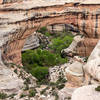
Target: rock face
point(74, 74)
point(19, 20)
point(9, 81)
point(72, 49)
point(92, 76)
point(31, 42)
point(92, 66)
point(86, 93)
point(61, 27)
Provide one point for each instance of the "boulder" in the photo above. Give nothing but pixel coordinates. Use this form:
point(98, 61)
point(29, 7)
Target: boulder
point(86, 93)
point(74, 74)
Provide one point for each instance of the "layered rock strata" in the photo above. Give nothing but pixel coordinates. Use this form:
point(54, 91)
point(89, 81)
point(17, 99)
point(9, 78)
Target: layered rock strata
point(20, 20)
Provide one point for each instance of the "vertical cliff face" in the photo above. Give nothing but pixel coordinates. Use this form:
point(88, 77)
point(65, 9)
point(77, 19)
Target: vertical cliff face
point(20, 20)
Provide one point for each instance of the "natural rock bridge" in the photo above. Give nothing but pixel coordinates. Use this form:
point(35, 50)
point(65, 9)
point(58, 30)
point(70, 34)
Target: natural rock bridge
point(21, 19)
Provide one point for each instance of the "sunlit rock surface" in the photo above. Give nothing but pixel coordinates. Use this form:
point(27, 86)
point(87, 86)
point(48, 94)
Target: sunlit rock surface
point(86, 93)
point(92, 66)
point(92, 72)
point(74, 74)
point(9, 81)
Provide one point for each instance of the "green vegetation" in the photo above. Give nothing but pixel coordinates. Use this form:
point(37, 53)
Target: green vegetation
point(3, 95)
point(44, 90)
point(15, 71)
point(38, 61)
point(60, 43)
point(32, 93)
point(22, 95)
point(59, 84)
point(54, 93)
point(12, 95)
point(97, 88)
point(40, 58)
point(40, 73)
point(43, 30)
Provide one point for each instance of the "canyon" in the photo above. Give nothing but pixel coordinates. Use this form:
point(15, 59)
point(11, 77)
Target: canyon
point(19, 20)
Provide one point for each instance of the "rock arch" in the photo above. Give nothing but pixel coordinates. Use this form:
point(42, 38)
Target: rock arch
point(19, 20)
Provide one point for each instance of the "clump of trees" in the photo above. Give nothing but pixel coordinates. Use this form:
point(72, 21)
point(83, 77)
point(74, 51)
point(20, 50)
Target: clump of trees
point(38, 61)
point(60, 43)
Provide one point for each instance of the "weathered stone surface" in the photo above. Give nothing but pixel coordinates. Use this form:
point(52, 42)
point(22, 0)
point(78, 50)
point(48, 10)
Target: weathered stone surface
point(71, 50)
point(31, 42)
point(66, 93)
point(19, 20)
point(57, 71)
point(74, 74)
point(92, 66)
point(86, 93)
point(9, 81)
point(62, 28)
point(92, 76)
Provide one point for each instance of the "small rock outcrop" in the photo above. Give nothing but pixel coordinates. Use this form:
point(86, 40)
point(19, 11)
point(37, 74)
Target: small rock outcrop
point(72, 49)
point(74, 74)
point(56, 72)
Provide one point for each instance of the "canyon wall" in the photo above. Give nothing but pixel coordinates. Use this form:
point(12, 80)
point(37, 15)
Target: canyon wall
point(19, 20)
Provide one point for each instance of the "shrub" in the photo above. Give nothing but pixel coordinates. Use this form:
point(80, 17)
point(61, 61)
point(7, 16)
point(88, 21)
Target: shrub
point(43, 30)
point(36, 58)
point(32, 93)
point(60, 86)
point(40, 73)
point(12, 95)
point(22, 95)
point(97, 88)
point(54, 93)
point(3, 95)
point(61, 80)
point(60, 43)
point(15, 71)
point(44, 90)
